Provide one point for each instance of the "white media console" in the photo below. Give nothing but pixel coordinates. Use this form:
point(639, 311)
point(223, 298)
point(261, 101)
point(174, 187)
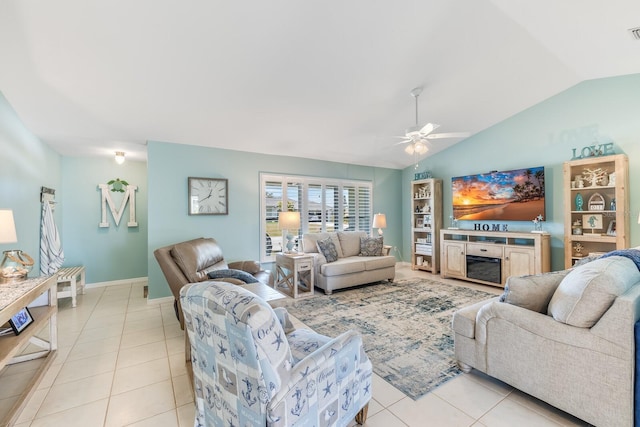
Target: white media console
point(490, 257)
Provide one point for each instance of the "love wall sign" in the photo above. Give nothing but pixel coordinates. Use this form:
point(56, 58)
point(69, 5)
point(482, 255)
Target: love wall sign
point(594, 150)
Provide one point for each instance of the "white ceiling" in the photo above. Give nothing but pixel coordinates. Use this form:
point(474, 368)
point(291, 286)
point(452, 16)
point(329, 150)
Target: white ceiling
point(327, 80)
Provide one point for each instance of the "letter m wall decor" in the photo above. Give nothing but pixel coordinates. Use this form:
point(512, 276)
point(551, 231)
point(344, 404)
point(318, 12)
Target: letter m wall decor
point(129, 193)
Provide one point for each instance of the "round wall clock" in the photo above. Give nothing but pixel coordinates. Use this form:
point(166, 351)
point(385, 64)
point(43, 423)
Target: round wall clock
point(208, 196)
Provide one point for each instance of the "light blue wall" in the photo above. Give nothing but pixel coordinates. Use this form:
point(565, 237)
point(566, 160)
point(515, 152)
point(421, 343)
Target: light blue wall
point(169, 166)
point(108, 253)
point(26, 164)
point(603, 110)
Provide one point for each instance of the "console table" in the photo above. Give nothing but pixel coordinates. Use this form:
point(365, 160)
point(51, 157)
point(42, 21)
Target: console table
point(490, 257)
point(13, 297)
point(295, 272)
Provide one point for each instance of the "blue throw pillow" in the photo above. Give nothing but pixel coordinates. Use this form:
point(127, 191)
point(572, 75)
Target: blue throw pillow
point(371, 246)
point(232, 274)
point(328, 249)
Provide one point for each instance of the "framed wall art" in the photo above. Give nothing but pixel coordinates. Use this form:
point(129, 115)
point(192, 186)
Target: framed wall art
point(208, 196)
point(592, 222)
point(20, 320)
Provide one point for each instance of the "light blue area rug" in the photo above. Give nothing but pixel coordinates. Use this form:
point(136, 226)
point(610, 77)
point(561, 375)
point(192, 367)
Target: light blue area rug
point(406, 327)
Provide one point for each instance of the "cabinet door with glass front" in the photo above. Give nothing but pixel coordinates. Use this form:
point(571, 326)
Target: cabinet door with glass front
point(596, 203)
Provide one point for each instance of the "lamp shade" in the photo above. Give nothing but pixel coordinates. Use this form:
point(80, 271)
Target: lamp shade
point(289, 220)
point(7, 227)
point(119, 157)
point(379, 221)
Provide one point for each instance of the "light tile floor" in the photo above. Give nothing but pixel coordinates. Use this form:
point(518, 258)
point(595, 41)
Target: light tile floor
point(120, 363)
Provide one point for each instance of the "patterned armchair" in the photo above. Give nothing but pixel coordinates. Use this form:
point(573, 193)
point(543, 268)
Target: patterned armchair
point(251, 368)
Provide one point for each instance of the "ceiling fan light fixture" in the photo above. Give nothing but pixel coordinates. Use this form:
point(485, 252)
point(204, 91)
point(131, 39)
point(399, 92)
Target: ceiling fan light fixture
point(420, 147)
point(409, 149)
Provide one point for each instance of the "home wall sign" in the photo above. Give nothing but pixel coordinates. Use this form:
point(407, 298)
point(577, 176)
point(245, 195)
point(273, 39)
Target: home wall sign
point(490, 227)
point(129, 194)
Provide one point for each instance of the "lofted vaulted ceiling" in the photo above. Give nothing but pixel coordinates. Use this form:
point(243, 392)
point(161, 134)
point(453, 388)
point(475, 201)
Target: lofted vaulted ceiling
point(324, 80)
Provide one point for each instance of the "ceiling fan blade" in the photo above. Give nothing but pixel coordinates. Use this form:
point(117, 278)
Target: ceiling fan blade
point(406, 141)
point(448, 135)
point(428, 128)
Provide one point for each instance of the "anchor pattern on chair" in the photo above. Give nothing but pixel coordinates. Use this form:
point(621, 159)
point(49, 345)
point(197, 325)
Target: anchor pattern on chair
point(251, 368)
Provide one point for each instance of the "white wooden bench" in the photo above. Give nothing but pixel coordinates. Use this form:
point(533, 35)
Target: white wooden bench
point(75, 277)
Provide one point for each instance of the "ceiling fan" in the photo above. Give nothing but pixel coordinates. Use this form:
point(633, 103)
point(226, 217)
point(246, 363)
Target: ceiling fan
point(417, 136)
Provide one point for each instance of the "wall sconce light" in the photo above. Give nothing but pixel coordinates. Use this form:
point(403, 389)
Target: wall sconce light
point(119, 157)
point(288, 221)
point(379, 222)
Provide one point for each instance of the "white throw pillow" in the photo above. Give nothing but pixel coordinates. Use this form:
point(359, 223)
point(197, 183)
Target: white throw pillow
point(588, 291)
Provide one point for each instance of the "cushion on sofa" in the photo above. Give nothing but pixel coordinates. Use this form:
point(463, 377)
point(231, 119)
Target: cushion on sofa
point(350, 242)
point(588, 291)
point(342, 266)
point(232, 274)
point(371, 246)
point(532, 292)
point(327, 248)
point(378, 262)
point(309, 242)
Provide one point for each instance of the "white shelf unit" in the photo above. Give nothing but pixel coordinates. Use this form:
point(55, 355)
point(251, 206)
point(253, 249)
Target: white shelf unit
point(426, 222)
point(597, 202)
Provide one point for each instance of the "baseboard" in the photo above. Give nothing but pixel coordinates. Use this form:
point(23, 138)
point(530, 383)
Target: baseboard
point(116, 282)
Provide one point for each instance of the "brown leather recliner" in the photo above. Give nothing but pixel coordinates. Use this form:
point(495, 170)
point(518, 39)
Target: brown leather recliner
point(191, 261)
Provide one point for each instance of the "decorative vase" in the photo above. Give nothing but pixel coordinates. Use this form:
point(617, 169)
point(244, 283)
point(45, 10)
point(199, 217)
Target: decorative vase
point(15, 265)
point(579, 202)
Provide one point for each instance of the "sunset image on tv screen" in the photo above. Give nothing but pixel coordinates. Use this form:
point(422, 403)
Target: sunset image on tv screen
point(516, 195)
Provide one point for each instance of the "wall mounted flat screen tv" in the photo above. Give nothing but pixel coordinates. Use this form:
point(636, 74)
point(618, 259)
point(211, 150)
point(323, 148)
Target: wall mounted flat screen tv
point(515, 195)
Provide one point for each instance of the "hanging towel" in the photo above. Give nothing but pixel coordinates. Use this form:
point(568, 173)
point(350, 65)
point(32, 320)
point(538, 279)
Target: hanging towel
point(51, 253)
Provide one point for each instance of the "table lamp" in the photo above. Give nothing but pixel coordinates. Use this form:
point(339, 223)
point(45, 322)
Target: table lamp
point(288, 221)
point(15, 263)
point(379, 222)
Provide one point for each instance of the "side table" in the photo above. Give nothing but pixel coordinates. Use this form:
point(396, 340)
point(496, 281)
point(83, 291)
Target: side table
point(295, 273)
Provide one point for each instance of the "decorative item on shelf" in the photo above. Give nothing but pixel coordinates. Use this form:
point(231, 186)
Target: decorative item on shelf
point(611, 230)
point(288, 221)
point(577, 249)
point(576, 228)
point(454, 223)
point(422, 175)
point(612, 205)
point(579, 182)
point(596, 202)
point(419, 260)
point(592, 222)
point(612, 179)
point(537, 224)
point(379, 222)
point(595, 176)
point(579, 202)
point(15, 264)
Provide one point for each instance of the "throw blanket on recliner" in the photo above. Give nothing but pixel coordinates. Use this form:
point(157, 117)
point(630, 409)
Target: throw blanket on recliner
point(632, 254)
point(230, 273)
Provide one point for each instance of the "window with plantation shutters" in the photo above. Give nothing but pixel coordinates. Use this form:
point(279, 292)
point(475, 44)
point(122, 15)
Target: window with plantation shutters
point(324, 204)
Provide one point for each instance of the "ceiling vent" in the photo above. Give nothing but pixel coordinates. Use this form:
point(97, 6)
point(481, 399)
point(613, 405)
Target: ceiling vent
point(635, 33)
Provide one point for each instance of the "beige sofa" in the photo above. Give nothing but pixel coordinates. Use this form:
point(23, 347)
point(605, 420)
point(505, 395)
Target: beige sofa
point(351, 268)
point(566, 338)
